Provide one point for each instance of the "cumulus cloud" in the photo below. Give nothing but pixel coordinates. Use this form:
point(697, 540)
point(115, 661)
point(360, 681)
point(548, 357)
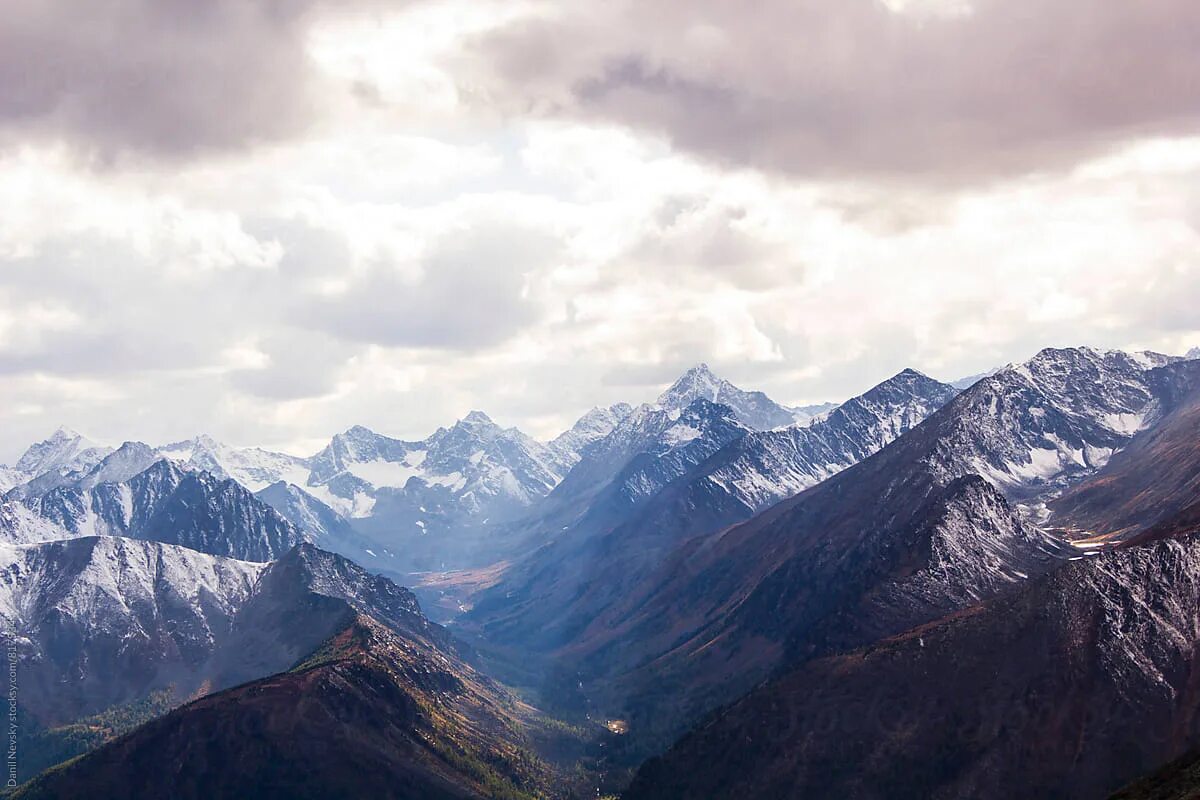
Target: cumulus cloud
point(761, 188)
point(851, 89)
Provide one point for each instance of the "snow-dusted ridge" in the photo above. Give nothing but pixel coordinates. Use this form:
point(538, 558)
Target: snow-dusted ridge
point(164, 502)
point(408, 503)
point(754, 409)
point(767, 466)
point(1032, 427)
point(103, 621)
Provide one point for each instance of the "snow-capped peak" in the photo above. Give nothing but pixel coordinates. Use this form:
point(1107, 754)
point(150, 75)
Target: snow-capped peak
point(476, 417)
point(754, 409)
point(1033, 427)
point(698, 382)
point(358, 432)
point(62, 449)
point(591, 427)
point(120, 465)
point(252, 467)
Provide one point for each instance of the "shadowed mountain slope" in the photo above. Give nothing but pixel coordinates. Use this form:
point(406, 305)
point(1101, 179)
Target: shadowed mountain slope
point(1069, 688)
point(371, 713)
point(922, 528)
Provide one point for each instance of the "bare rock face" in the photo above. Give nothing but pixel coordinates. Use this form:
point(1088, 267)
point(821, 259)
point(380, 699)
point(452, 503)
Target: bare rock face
point(753, 409)
point(369, 713)
point(1149, 481)
point(764, 468)
point(101, 622)
point(55, 461)
point(1036, 694)
point(170, 504)
point(719, 475)
point(925, 526)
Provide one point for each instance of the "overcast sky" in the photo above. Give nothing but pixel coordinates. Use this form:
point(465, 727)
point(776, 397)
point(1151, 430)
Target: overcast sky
point(272, 220)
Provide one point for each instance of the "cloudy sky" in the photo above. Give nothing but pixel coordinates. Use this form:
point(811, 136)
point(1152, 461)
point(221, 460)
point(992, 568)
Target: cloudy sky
point(271, 220)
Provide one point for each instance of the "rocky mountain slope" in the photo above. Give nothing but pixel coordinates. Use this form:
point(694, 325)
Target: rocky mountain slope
point(104, 623)
point(173, 505)
point(591, 427)
point(1032, 695)
point(547, 600)
point(64, 456)
point(766, 467)
point(1179, 780)
point(252, 467)
point(1156, 476)
point(753, 409)
point(118, 466)
point(371, 712)
point(20, 524)
point(925, 526)
point(1036, 427)
point(324, 527)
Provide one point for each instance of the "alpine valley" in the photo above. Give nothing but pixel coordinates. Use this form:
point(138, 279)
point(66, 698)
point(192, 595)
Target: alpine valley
point(983, 588)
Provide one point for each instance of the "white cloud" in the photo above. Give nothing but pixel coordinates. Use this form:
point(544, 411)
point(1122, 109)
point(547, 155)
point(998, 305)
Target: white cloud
point(422, 249)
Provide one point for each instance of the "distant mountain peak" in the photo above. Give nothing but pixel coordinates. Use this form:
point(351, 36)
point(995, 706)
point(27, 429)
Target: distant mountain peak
point(120, 465)
point(478, 417)
point(702, 372)
point(699, 381)
point(358, 431)
point(64, 449)
point(754, 409)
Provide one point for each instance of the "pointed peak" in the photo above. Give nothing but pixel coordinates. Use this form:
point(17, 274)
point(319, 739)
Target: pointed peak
point(132, 446)
point(1052, 354)
point(206, 441)
point(56, 451)
point(477, 417)
point(168, 466)
point(699, 375)
point(913, 377)
point(905, 386)
point(358, 432)
point(699, 381)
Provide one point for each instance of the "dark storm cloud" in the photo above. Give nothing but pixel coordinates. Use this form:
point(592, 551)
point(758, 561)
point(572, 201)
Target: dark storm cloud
point(849, 88)
point(160, 77)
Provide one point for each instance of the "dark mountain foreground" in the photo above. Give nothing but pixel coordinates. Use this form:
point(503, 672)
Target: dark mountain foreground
point(1071, 687)
point(369, 714)
point(1179, 780)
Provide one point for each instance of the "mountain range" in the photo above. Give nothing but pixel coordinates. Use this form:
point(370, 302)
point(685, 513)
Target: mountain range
point(1035, 694)
point(929, 590)
point(105, 624)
